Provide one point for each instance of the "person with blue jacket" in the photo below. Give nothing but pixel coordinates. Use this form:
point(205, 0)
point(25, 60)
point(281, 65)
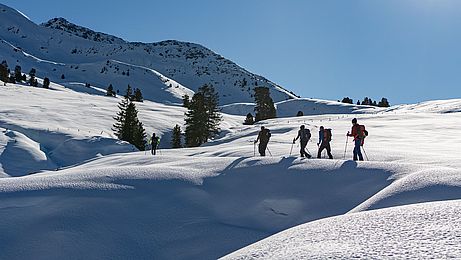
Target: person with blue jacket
point(324, 142)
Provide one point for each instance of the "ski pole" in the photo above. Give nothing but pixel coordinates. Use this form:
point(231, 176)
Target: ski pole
point(254, 149)
point(366, 156)
point(347, 140)
point(291, 150)
point(267, 147)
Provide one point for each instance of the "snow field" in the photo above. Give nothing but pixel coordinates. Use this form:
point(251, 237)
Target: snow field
point(209, 201)
point(421, 231)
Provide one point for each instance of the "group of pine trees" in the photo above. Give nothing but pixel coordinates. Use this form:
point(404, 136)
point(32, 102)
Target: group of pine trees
point(368, 101)
point(18, 77)
point(135, 95)
point(202, 120)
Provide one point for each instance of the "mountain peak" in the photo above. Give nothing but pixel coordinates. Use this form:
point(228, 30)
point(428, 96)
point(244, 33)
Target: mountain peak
point(62, 24)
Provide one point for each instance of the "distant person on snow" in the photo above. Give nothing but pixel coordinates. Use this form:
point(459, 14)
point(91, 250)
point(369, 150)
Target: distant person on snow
point(304, 135)
point(359, 133)
point(324, 142)
point(154, 140)
point(263, 137)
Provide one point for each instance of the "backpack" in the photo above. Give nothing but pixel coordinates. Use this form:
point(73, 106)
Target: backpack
point(305, 134)
point(265, 135)
point(327, 135)
point(362, 132)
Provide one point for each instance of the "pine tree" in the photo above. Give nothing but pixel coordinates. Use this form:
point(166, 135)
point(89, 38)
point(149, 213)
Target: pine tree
point(17, 73)
point(127, 126)
point(300, 113)
point(265, 108)
point(384, 103)
point(110, 91)
point(32, 77)
point(46, 82)
point(203, 117)
point(176, 138)
point(4, 71)
point(62, 76)
point(129, 93)
point(185, 100)
point(347, 100)
point(249, 120)
point(138, 95)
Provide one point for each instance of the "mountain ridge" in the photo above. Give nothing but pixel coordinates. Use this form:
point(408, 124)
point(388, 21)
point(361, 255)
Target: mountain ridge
point(190, 65)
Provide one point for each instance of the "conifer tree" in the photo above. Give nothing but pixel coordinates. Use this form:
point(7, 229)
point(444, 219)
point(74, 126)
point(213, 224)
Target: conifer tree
point(127, 126)
point(129, 93)
point(138, 95)
point(176, 137)
point(46, 82)
point(265, 108)
point(203, 117)
point(185, 100)
point(384, 103)
point(32, 77)
point(249, 120)
point(4, 71)
point(17, 73)
point(110, 91)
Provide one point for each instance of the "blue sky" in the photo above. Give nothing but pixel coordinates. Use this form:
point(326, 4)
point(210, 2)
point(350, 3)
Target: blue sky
point(405, 50)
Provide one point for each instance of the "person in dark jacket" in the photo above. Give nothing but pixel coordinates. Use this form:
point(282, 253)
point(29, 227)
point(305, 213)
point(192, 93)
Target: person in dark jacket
point(358, 135)
point(263, 137)
point(303, 135)
point(154, 142)
point(324, 142)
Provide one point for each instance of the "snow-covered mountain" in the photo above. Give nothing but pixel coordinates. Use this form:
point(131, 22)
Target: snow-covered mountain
point(164, 71)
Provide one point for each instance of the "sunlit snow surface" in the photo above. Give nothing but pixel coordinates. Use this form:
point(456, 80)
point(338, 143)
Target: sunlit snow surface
point(420, 231)
point(88, 194)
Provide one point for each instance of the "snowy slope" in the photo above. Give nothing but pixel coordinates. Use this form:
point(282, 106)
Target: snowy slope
point(421, 231)
point(201, 202)
point(307, 106)
point(59, 47)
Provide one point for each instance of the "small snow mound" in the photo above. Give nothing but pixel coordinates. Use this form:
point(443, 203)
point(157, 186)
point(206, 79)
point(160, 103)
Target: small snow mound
point(77, 150)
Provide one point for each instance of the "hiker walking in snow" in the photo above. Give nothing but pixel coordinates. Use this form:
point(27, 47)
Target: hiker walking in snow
point(324, 142)
point(263, 137)
point(359, 133)
point(304, 135)
point(154, 143)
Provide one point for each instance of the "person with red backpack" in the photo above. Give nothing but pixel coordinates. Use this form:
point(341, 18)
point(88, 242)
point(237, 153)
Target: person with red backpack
point(359, 133)
point(324, 142)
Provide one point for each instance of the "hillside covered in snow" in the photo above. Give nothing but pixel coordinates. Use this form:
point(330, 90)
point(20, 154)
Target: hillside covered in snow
point(67, 181)
point(164, 71)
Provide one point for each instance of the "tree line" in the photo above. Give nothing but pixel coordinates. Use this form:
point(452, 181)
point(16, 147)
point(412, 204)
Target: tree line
point(18, 77)
point(367, 101)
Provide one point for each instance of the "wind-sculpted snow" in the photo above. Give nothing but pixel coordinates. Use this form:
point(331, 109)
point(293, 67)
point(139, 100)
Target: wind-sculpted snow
point(90, 195)
point(172, 207)
point(421, 231)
